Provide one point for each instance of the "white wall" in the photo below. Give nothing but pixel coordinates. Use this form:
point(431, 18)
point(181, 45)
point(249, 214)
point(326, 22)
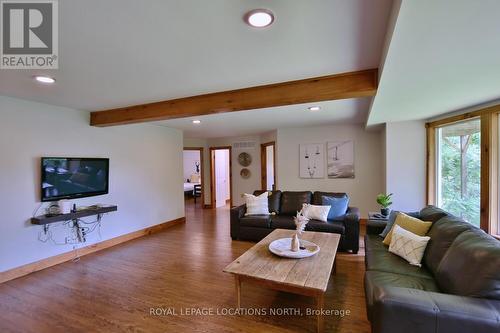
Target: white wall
point(405, 164)
point(190, 158)
point(368, 164)
point(239, 184)
point(145, 173)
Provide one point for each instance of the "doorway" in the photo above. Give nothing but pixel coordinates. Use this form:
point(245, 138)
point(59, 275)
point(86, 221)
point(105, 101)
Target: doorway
point(193, 174)
point(268, 166)
point(220, 176)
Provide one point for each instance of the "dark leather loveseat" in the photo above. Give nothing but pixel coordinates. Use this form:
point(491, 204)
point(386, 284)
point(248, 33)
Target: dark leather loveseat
point(457, 289)
point(284, 206)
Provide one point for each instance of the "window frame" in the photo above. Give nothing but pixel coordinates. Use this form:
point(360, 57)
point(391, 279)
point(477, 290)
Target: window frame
point(489, 197)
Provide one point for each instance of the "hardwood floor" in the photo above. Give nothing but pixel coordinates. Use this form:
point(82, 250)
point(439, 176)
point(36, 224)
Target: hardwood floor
point(114, 290)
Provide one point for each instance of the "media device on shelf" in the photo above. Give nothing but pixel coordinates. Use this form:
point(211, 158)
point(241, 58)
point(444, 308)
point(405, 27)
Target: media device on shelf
point(72, 178)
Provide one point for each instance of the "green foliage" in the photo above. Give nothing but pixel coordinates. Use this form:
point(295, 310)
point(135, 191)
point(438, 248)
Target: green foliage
point(384, 200)
point(461, 199)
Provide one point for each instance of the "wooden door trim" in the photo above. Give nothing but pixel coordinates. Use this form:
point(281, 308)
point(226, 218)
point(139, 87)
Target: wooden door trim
point(212, 174)
point(263, 163)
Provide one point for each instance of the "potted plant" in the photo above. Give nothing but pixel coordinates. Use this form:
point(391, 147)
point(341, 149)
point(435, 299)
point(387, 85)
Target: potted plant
point(384, 200)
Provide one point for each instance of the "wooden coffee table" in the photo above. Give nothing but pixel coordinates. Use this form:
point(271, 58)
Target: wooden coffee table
point(308, 276)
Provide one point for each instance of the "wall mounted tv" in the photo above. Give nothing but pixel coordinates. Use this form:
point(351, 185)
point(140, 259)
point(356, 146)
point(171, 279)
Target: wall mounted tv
point(71, 178)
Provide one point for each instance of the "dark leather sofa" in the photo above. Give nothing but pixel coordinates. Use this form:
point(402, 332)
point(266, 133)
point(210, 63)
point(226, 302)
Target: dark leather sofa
point(457, 289)
point(284, 206)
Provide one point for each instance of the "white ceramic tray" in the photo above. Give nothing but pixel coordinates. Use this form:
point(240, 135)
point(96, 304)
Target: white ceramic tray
point(282, 247)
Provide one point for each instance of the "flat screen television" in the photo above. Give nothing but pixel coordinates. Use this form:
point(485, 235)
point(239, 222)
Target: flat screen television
point(71, 178)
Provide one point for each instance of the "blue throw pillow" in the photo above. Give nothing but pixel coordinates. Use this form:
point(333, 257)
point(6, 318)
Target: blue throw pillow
point(338, 206)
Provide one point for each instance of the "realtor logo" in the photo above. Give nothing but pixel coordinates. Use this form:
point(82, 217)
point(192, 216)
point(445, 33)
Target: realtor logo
point(29, 34)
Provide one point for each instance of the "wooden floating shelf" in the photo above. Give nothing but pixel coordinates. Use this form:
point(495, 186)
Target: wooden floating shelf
point(44, 219)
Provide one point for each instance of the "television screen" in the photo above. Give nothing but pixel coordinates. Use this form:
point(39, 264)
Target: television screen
point(69, 178)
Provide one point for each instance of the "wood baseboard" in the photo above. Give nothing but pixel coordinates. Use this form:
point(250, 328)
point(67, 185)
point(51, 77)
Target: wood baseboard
point(207, 206)
point(63, 257)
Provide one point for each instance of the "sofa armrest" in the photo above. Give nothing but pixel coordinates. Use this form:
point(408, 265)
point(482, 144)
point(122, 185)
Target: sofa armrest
point(237, 213)
point(408, 310)
point(374, 227)
point(353, 215)
point(351, 223)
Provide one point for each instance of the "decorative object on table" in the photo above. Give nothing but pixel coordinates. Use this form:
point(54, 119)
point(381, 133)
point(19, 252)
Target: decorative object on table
point(312, 160)
point(384, 200)
point(340, 159)
point(376, 216)
point(282, 248)
point(245, 173)
point(197, 166)
point(244, 159)
point(300, 223)
point(64, 206)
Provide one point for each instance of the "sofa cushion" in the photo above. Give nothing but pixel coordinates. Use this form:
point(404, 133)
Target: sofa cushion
point(374, 243)
point(442, 233)
point(471, 266)
point(317, 198)
point(291, 202)
point(274, 200)
point(282, 222)
point(259, 221)
point(381, 279)
point(432, 213)
point(377, 258)
point(336, 227)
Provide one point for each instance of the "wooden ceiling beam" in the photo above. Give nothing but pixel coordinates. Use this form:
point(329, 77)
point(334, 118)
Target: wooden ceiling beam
point(324, 88)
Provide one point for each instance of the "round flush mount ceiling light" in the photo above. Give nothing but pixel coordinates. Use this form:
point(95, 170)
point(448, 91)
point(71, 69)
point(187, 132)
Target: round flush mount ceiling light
point(259, 18)
point(196, 122)
point(44, 79)
point(314, 108)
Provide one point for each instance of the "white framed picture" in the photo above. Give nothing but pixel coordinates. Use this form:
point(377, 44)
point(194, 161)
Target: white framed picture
point(312, 160)
point(340, 159)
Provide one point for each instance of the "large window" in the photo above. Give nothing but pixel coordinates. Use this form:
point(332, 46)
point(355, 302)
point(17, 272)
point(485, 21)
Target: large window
point(459, 169)
point(463, 167)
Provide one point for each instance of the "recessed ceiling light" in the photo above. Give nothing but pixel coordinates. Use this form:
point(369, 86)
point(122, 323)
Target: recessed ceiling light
point(196, 122)
point(45, 79)
point(259, 18)
point(314, 108)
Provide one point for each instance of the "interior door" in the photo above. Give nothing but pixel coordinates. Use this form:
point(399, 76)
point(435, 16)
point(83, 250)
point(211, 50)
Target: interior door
point(221, 181)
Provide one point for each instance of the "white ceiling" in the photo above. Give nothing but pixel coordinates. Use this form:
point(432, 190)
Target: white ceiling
point(346, 111)
point(444, 56)
point(116, 53)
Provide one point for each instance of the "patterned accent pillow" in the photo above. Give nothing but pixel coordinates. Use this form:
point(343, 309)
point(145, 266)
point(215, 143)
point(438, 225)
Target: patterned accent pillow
point(408, 246)
point(409, 223)
point(257, 205)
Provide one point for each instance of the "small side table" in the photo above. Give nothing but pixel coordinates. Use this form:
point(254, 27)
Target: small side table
point(376, 224)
